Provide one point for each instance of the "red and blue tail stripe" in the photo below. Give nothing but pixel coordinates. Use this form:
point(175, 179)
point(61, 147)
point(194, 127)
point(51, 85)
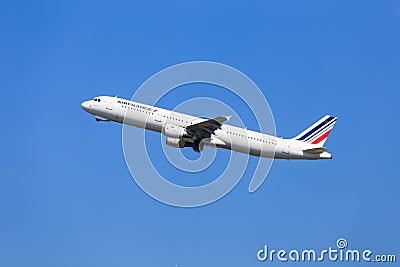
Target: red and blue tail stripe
point(318, 132)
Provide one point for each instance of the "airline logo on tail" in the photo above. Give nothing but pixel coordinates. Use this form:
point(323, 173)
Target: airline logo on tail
point(318, 132)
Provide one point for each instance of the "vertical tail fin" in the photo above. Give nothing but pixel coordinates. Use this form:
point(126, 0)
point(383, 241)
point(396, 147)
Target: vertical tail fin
point(318, 132)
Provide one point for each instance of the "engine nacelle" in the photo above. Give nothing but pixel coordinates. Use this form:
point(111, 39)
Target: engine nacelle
point(198, 146)
point(174, 131)
point(175, 142)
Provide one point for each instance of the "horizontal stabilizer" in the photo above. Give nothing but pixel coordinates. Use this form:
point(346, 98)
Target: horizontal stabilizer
point(317, 150)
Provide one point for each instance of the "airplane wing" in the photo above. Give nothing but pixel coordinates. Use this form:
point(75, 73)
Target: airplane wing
point(206, 128)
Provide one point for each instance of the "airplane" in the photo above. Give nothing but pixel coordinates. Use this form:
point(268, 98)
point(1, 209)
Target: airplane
point(182, 130)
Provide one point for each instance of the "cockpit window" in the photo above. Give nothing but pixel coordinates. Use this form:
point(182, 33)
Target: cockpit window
point(96, 99)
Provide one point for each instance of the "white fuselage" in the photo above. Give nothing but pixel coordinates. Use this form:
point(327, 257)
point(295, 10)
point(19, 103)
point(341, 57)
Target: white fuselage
point(228, 137)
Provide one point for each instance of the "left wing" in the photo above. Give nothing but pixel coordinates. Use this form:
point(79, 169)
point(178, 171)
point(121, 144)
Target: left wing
point(206, 128)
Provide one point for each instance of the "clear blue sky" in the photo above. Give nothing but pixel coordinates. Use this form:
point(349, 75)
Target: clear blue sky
point(66, 195)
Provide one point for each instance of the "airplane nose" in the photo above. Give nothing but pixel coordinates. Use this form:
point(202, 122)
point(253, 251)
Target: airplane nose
point(85, 105)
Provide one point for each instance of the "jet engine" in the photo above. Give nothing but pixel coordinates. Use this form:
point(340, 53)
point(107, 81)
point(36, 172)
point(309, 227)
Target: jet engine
point(175, 142)
point(174, 131)
point(198, 146)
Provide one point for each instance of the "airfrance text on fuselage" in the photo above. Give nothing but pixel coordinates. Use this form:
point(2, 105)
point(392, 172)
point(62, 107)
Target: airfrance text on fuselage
point(135, 105)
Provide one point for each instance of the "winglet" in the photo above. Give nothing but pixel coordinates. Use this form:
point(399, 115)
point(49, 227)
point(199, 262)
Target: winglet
point(221, 119)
